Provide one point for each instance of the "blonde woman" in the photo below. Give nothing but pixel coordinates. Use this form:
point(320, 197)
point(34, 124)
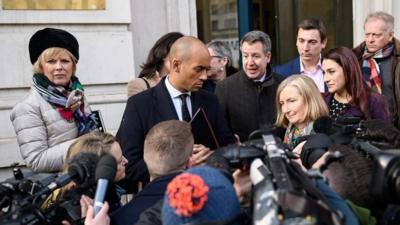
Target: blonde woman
point(298, 104)
point(100, 144)
point(55, 112)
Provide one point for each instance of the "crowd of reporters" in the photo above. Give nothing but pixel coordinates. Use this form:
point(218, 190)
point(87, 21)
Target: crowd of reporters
point(312, 158)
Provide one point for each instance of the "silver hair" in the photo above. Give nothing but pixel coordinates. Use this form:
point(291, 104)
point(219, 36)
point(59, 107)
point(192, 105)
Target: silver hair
point(221, 49)
point(257, 35)
point(386, 17)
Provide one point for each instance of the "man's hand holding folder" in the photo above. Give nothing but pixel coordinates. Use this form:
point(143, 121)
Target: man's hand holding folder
point(204, 138)
point(202, 130)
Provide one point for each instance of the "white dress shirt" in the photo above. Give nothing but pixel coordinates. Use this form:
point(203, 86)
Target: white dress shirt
point(174, 93)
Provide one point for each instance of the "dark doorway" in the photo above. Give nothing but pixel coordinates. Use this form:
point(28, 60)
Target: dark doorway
point(278, 18)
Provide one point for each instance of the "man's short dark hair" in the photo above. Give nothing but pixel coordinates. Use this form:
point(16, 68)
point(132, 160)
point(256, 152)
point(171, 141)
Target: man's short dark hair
point(255, 36)
point(313, 24)
point(351, 177)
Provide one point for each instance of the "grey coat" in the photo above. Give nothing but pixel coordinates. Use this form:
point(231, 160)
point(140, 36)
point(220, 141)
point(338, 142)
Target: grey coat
point(43, 135)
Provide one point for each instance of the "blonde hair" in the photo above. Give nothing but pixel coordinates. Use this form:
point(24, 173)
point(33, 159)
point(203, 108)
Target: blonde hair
point(314, 103)
point(95, 142)
point(49, 53)
point(167, 147)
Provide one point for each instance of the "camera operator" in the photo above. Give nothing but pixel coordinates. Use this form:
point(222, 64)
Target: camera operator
point(355, 177)
point(168, 147)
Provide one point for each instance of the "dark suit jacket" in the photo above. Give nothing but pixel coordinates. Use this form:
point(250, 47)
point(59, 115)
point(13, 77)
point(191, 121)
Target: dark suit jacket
point(289, 68)
point(150, 195)
point(152, 106)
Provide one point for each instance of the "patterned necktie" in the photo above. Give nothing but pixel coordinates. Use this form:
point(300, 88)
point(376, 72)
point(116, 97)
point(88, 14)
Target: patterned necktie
point(184, 108)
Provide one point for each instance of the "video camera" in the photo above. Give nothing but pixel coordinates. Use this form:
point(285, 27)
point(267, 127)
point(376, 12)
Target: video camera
point(20, 187)
point(278, 183)
point(369, 138)
point(22, 197)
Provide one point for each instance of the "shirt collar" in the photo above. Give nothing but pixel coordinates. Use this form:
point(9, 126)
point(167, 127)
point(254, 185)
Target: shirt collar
point(262, 78)
point(319, 64)
point(172, 90)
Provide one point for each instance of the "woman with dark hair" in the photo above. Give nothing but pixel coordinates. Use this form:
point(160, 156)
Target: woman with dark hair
point(156, 65)
point(348, 95)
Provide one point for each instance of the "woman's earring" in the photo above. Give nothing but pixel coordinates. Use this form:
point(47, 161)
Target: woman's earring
point(222, 68)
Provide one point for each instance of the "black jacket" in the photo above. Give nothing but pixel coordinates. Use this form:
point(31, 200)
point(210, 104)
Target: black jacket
point(246, 105)
point(150, 195)
point(152, 106)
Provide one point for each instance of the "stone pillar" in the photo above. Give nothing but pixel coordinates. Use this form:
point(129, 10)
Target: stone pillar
point(106, 61)
point(153, 18)
point(362, 8)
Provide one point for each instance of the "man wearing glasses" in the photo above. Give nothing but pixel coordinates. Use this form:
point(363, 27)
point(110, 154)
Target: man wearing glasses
point(379, 57)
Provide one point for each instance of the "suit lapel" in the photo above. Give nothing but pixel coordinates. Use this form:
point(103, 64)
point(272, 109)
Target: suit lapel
point(163, 102)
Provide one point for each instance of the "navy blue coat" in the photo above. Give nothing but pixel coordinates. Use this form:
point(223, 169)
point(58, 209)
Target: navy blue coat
point(153, 106)
point(150, 195)
point(289, 68)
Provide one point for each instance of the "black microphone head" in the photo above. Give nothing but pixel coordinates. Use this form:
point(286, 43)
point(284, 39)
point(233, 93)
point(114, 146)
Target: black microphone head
point(82, 167)
point(323, 125)
point(106, 168)
point(314, 148)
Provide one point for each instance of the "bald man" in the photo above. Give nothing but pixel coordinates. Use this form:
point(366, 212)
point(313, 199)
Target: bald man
point(189, 60)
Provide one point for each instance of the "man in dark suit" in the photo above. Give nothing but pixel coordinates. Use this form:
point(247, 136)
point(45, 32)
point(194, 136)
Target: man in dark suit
point(177, 96)
point(167, 149)
point(311, 39)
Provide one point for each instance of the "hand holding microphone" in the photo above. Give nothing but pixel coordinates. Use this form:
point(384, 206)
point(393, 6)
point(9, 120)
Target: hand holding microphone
point(105, 172)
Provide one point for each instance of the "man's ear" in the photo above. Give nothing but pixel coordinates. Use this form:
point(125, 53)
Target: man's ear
point(391, 35)
point(175, 66)
point(225, 61)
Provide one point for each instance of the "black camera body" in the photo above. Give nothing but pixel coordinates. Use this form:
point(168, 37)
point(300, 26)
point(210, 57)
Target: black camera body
point(278, 182)
point(22, 199)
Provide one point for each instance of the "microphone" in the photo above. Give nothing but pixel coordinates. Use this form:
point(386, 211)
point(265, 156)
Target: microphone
point(105, 172)
point(323, 125)
point(80, 170)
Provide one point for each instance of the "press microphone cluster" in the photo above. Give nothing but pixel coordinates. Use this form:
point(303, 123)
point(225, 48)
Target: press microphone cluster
point(80, 170)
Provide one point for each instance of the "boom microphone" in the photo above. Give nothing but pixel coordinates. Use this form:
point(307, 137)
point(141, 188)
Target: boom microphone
point(323, 125)
point(105, 172)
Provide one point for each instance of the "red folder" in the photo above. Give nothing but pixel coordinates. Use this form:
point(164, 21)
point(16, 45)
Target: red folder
point(202, 130)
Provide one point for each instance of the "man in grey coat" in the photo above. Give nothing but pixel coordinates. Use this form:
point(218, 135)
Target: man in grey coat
point(247, 98)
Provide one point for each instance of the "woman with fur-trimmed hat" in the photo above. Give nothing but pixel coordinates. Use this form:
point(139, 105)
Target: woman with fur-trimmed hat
point(55, 112)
